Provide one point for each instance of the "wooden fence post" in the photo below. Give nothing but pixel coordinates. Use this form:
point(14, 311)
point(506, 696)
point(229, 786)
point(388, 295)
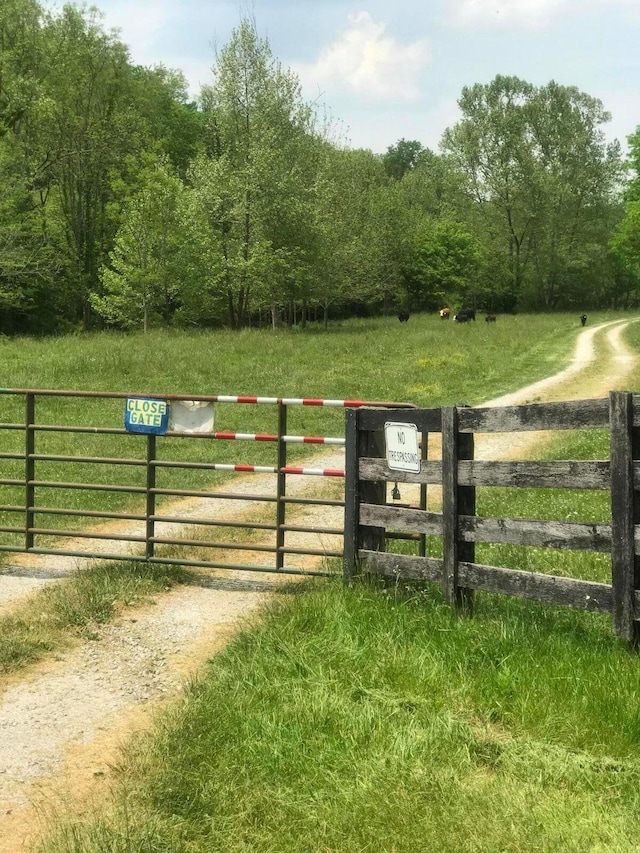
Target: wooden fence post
point(625, 513)
point(456, 500)
point(351, 503)
point(360, 443)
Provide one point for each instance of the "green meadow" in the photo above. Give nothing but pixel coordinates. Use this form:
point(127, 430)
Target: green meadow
point(364, 719)
point(426, 362)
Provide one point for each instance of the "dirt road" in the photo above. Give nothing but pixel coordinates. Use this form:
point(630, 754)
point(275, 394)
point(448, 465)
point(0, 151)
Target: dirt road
point(63, 723)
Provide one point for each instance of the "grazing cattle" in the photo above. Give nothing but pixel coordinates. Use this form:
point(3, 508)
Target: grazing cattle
point(445, 313)
point(403, 316)
point(583, 319)
point(490, 318)
point(461, 317)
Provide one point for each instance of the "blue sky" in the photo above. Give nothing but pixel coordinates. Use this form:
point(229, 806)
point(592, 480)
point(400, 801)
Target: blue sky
point(386, 71)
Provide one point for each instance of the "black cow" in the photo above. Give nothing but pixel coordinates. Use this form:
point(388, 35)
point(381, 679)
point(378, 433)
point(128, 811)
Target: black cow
point(403, 315)
point(465, 314)
point(583, 319)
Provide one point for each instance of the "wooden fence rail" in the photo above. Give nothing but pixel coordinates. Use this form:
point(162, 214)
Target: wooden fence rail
point(370, 520)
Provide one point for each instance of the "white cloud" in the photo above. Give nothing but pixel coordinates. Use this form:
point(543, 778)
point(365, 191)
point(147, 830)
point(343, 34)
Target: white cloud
point(139, 23)
point(528, 13)
point(369, 61)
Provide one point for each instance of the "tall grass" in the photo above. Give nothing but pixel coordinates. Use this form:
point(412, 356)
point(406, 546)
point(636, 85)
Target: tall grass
point(353, 720)
point(427, 361)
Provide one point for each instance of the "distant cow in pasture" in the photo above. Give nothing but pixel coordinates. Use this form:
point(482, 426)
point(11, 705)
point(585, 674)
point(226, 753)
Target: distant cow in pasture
point(583, 319)
point(403, 315)
point(490, 318)
point(465, 314)
point(445, 313)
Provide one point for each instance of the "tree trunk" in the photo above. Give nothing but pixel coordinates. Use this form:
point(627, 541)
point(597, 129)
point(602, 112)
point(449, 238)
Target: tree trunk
point(276, 322)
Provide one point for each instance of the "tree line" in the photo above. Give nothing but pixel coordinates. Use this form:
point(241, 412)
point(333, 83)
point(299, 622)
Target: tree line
point(125, 204)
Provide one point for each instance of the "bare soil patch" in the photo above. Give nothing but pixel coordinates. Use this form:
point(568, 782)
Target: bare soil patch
point(62, 724)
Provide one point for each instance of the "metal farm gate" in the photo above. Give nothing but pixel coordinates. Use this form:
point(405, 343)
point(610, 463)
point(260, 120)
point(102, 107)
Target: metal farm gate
point(149, 478)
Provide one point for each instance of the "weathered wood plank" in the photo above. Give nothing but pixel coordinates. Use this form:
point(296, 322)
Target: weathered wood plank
point(376, 469)
point(401, 566)
point(426, 420)
point(574, 414)
point(371, 444)
point(566, 535)
point(449, 503)
point(549, 589)
point(456, 499)
point(560, 474)
point(623, 558)
point(401, 518)
point(466, 506)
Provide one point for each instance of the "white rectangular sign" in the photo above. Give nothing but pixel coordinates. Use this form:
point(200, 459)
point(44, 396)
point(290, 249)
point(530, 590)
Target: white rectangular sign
point(191, 416)
point(402, 447)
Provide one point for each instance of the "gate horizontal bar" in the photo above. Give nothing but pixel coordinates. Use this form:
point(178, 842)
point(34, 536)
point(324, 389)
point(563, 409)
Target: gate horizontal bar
point(167, 561)
point(88, 513)
point(47, 457)
point(329, 531)
point(286, 570)
point(317, 501)
point(220, 546)
point(187, 493)
point(311, 552)
point(90, 487)
point(207, 398)
point(212, 522)
point(83, 534)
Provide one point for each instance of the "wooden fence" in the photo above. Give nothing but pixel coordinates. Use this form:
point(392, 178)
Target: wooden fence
point(370, 520)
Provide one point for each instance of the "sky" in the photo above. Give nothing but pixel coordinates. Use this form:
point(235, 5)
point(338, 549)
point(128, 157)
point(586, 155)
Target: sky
point(384, 71)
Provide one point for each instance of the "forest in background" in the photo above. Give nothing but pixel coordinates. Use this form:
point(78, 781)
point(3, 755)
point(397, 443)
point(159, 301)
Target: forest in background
point(125, 204)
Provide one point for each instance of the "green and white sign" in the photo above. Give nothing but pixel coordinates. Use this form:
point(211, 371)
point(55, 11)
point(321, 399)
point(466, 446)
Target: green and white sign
point(146, 415)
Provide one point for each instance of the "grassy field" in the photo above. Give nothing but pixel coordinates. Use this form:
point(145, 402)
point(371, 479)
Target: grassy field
point(360, 720)
point(426, 362)
point(370, 719)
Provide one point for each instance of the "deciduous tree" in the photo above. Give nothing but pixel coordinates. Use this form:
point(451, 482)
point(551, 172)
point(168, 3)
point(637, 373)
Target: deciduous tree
point(542, 177)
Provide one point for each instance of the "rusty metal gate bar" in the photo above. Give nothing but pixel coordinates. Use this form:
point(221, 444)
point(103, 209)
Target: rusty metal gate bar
point(148, 540)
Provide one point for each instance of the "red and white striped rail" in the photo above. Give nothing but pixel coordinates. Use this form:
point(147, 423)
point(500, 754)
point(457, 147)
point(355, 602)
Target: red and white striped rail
point(287, 469)
point(292, 401)
point(289, 439)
